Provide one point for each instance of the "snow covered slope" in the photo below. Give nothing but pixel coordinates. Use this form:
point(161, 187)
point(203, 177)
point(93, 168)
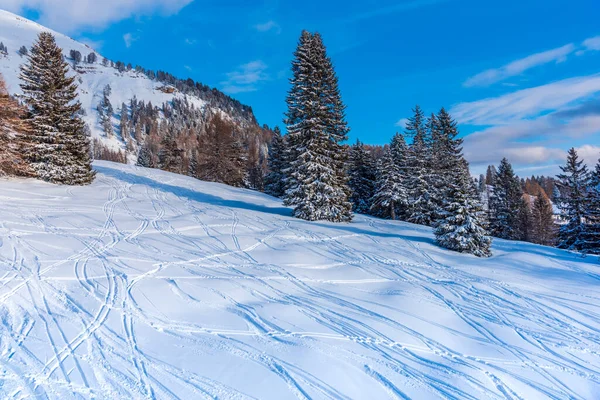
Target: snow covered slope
point(153, 285)
point(16, 31)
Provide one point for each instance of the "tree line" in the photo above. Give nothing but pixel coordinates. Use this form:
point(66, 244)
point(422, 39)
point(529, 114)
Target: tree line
point(421, 176)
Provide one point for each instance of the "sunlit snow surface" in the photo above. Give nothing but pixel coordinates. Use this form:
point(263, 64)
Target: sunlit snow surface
point(153, 285)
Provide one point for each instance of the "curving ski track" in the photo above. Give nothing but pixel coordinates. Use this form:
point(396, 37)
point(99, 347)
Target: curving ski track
point(152, 285)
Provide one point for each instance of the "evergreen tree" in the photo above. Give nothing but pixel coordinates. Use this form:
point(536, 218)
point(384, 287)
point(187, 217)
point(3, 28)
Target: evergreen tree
point(505, 203)
point(525, 220)
point(419, 161)
point(490, 176)
point(400, 152)
point(542, 221)
point(390, 192)
point(23, 51)
point(3, 49)
point(447, 159)
point(60, 146)
point(316, 180)
point(275, 179)
point(105, 111)
point(124, 128)
point(573, 203)
point(461, 228)
point(75, 57)
point(361, 172)
point(592, 213)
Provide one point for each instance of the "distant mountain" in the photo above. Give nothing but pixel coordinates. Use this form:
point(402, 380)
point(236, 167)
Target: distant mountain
point(127, 82)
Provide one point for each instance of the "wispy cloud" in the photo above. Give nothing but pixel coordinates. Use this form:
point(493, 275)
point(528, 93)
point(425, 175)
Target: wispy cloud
point(129, 38)
point(527, 103)
point(518, 67)
point(592, 43)
point(246, 78)
point(71, 16)
point(533, 126)
point(268, 27)
point(402, 123)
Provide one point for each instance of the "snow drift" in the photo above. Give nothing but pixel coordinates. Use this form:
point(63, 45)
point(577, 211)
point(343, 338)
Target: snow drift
point(153, 285)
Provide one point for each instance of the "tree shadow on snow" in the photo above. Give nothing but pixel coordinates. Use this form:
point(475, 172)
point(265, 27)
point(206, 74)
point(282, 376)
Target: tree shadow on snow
point(188, 193)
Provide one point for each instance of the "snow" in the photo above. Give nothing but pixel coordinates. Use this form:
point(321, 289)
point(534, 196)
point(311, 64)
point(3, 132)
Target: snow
point(153, 285)
point(16, 31)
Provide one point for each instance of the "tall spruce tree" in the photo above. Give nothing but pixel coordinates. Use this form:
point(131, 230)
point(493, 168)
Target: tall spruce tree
point(361, 172)
point(505, 203)
point(418, 165)
point(60, 145)
point(390, 192)
point(447, 159)
point(462, 227)
point(317, 181)
point(275, 179)
point(573, 203)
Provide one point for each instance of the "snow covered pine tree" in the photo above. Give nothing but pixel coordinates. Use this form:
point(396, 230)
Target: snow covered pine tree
point(316, 184)
point(462, 229)
point(361, 171)
point(505, 203)
point(390, 192)
point(60, 148)
point(275, 179)
point(573, 203)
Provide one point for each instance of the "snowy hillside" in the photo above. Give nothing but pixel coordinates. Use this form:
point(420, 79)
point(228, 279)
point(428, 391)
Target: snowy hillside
point(153, 285)
point(16, 31)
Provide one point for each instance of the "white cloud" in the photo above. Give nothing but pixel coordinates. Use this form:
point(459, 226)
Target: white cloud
point(246, 78)
point(531, 142)
point(589, 153)
point(73, 15)
point(128, 38)
point(592, 43)
point(527, 103)
point(268, 26)
point(518, 67)
point(402, 123)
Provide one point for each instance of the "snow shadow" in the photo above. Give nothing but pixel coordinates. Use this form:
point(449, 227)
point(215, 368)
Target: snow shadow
point(359, 231)
point(188, 193)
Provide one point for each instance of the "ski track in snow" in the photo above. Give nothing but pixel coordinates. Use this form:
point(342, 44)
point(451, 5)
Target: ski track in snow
point(151, 285)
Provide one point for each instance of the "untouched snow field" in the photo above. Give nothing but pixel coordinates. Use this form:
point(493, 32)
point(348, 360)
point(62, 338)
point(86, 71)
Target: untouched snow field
point(153, 285)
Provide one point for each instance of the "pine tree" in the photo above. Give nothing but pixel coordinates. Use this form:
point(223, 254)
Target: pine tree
point(399, 151)
point(316, 180)
point(275, 179)
point(461, 228)
point(124, 128)
point(490, 176)
point(390, 192)
point(419, 161)
point(361, 172)
point(524, 219)
point(542, 217)
point(505, 202)
point(23, 51)
point(573, 203)
point(60, 146)
point(105, 111)
point(592, 213)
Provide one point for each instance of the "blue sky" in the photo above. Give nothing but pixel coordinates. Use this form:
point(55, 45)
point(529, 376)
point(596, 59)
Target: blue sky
point(519, 76)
